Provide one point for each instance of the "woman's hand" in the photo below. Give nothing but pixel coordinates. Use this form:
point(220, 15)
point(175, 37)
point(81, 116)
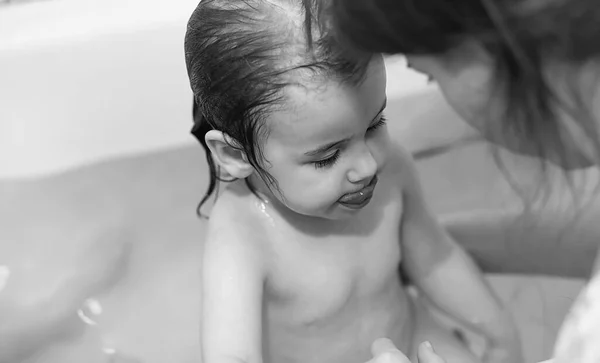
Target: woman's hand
point(384, 351)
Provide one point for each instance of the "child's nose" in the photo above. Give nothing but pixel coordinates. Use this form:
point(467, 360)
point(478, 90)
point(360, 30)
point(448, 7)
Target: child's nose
point(364, 169)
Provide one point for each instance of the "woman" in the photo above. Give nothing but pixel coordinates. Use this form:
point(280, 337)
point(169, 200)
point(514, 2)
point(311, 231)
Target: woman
point(525, 73)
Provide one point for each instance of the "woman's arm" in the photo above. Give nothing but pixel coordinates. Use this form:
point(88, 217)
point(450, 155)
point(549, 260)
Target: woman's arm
point(546, 241)
point(541, 241)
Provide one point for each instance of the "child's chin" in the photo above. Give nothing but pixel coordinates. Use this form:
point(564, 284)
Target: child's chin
point(335, 214)
point(339, 213)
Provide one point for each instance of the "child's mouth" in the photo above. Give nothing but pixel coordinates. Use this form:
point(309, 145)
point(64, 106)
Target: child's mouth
point(360, 199)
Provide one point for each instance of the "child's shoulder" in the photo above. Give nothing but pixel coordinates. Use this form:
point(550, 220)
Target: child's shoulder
point(401, 166)
point(400, 154)
point(234, 218)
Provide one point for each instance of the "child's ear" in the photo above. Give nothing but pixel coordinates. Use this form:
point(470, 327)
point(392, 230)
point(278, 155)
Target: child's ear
point(233, 160)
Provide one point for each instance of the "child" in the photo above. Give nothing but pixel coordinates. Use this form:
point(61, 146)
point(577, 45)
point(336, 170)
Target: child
point(303, 247)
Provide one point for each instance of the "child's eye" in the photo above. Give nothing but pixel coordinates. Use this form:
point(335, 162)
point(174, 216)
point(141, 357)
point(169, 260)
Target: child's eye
point(325, 163)
point(381, 122)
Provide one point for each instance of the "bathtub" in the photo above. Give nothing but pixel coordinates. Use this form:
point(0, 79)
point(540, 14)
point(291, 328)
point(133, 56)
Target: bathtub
point(99, 180)
point(94, 79)
point(89, 80)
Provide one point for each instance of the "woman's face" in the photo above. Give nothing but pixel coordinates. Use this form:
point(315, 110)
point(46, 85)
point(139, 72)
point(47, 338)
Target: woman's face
point(466, 78)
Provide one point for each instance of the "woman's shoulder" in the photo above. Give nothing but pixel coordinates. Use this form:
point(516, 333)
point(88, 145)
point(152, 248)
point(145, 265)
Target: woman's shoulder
point(579, 337)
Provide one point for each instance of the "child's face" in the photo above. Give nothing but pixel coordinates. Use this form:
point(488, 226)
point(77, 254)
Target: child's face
point(327, 146)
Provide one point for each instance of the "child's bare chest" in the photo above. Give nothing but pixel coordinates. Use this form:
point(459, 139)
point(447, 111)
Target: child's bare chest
point(328, 297)
point(319, 277)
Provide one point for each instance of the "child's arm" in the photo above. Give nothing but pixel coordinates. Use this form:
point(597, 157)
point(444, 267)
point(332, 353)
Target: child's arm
point(232, 288)
point(448, 277)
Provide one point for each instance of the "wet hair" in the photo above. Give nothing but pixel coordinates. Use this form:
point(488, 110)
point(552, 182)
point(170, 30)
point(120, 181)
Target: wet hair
point(521, 37)
point(241, 54)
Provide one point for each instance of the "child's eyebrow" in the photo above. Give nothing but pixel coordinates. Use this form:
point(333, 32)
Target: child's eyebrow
point(324, 148)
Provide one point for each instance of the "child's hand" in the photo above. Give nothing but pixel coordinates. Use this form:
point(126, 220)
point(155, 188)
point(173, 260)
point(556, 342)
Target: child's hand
point(426, 354)
point(502, 354)
point(506, 348)
point(384, 351)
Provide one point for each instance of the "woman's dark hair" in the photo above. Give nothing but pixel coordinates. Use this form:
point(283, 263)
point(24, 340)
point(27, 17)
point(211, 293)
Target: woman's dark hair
point(521, 37)
point(240, 54)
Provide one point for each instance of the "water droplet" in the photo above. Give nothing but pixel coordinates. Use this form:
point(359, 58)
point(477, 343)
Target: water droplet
point(90, 307)
point(4, 275)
